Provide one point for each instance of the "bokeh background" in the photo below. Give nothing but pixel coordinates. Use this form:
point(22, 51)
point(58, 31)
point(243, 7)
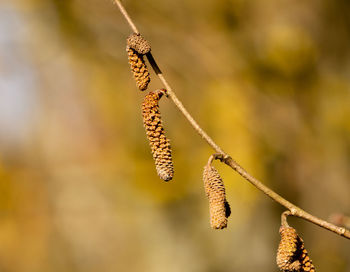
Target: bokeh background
point(269, 80)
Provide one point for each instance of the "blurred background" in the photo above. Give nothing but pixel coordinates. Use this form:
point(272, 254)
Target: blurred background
point(269, 80)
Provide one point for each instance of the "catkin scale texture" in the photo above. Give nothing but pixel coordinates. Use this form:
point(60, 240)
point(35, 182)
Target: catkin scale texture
point(138, 43)
point(138, 68)
point(292, 255)
point(219, 208)
point(159, 144)
point(287, 249)
point(306, 262)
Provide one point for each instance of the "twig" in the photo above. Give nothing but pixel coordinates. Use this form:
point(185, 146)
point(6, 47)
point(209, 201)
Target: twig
point(126, 15)
point(284, 216)
point(294, 210)
point(222, 156)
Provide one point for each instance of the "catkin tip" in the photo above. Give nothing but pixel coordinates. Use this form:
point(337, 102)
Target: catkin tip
point(138, 43)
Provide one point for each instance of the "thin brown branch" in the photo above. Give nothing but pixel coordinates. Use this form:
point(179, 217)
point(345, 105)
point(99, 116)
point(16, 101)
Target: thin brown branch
point(126, 15)
point(211, 158)
point(222, 156)
point(284, 216)
point(294, 210)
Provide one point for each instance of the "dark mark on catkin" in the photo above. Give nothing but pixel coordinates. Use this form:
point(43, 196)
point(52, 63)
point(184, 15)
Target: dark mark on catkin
point(215, 190)
point(292, 255)
point(138, 68)
point(159, 144)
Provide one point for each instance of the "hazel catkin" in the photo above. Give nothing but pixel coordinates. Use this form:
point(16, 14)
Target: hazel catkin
point(138, 68)
point(159, 144)
point(292, 255)
point(138, 43)
point(287, 249)
point(219, 208)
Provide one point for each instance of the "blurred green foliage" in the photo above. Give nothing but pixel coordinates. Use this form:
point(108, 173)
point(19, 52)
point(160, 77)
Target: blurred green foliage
point(268, 80)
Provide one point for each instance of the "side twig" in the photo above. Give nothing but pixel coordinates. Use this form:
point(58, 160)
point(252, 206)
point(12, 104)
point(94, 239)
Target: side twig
point(284, 216)
point(225, 158)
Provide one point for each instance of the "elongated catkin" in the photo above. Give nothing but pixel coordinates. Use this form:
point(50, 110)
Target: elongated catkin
point(138, 68)
point(159, 144)
point(215, 190)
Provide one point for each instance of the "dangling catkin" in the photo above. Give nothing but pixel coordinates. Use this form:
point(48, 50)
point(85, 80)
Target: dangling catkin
point(287, 249)
point(215, 190)
point(139, 69)
point(292, 255)
point(138, 43)
point(159, 144)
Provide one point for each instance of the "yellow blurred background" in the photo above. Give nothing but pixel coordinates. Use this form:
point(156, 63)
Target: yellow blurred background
point(269, 80)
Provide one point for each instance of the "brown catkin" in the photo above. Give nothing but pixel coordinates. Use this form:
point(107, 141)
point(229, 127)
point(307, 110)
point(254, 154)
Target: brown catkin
point(292, 255)
point(138, 43)
point(159, 144)
point(287, 249)
point(215, 190)
point(139, 69)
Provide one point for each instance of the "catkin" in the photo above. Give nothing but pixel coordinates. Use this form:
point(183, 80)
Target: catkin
point(159, 144)
point(292, 255)
point(139, 69)
point(287, 249)
point(219, 208)
point(138, 43)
